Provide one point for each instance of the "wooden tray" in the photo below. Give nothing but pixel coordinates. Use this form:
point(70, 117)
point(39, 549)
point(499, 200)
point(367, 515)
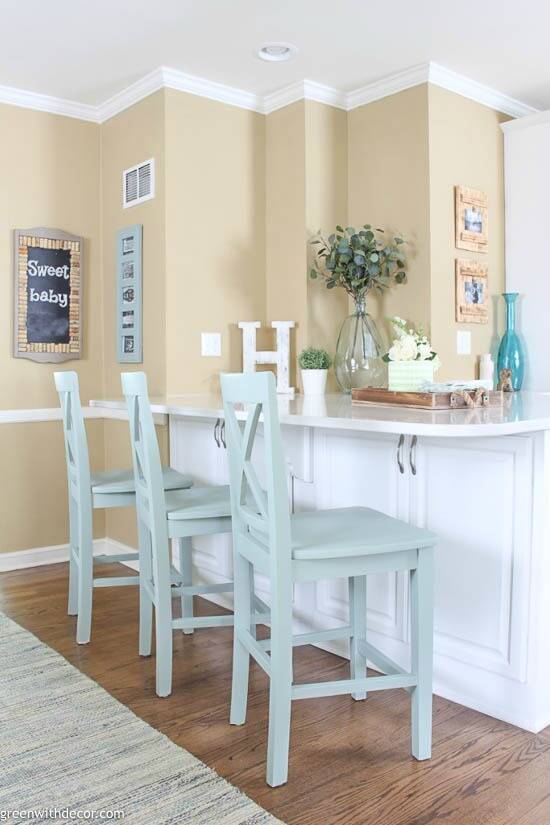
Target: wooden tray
point(426, 400)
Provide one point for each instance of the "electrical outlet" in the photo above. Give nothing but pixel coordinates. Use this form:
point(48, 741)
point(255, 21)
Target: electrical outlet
point(211, 344)
point(463, 343)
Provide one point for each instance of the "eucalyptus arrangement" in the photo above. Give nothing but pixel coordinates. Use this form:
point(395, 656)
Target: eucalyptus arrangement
point(315, 364)
point(359, 261)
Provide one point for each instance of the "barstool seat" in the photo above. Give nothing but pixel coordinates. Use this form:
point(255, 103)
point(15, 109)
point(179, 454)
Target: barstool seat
point(198, 502)
point(122, 481)
point(352, 531)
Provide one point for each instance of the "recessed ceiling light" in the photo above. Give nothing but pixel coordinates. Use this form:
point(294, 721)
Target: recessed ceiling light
point(275, 52)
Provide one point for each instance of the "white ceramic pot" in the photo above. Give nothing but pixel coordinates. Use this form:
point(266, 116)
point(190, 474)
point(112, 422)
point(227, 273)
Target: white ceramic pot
point(314, 382)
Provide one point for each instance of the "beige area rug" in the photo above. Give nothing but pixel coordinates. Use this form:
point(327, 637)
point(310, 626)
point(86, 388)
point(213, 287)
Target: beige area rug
point(70, 752)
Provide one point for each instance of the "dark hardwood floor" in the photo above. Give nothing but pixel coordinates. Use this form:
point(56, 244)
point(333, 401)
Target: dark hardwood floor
point(350, 762)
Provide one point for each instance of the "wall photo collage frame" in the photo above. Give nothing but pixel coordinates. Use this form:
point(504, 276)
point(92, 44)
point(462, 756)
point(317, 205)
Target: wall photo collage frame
point(129, 286)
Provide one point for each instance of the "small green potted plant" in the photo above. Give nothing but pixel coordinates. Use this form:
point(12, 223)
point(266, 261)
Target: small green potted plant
point(314, 364)
point(411, 359)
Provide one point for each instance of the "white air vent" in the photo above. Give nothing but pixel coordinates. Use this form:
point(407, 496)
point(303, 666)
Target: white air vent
point(138, 183)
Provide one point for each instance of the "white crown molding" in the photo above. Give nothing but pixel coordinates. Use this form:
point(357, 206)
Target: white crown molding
point(538, 119)
point(283, 97)
point(325, 94)
point(460, 85)
point(166, 78)
point(47, 103)
point(122, 100)
point(389, 85)
point(172, 79)
point(303, 90)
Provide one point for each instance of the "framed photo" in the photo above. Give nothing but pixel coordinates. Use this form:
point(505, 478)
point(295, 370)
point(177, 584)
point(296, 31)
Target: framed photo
point(47, 318)
point(471, 231)
point(128, 316)
point(129, 285)
point(128, 295)
point(472, 292)
point(128, 245)
point(127, 270)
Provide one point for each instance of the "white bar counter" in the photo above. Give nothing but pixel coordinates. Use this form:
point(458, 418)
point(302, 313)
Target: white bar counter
point(520, 413)
point(479, 479)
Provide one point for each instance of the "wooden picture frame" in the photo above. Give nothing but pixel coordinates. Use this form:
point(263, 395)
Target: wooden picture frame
point(47, 315)
point(472, 292)
point(471, 219)
point(129, 286)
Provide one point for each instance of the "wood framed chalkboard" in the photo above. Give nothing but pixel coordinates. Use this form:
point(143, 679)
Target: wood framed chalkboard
point(47, 323)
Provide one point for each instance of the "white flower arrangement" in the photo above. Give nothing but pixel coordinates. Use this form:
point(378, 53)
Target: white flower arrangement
point(410, 344)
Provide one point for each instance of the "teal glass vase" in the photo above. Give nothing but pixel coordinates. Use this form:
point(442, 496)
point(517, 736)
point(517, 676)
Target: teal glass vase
point(510, 351)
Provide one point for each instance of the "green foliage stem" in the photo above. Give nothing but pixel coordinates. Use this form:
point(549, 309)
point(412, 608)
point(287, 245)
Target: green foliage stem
point(359, 260)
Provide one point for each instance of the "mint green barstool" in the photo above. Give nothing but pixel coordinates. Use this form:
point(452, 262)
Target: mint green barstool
point(311, 546)
point(87, 491)
point(169, 515)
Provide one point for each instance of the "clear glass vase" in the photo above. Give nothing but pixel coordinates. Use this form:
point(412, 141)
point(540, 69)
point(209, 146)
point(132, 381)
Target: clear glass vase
point(358, 360)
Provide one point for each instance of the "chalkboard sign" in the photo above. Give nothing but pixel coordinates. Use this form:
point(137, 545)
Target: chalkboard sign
point(48, 305)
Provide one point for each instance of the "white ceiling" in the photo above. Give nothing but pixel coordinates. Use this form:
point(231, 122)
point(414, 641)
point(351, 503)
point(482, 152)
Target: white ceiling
point(88, 51)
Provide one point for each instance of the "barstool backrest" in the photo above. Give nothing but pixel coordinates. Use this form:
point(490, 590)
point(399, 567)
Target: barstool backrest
point(259, 517)
point(76, 443)
point(150, 499)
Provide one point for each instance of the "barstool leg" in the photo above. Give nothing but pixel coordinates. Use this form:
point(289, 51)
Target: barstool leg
point(145, 603)
point(357, 586)
point(185, 551)
point(241, 658)
point(72, 608)
point(422, 654)
point(85, 574)
point(280, 687)
point(163, 635)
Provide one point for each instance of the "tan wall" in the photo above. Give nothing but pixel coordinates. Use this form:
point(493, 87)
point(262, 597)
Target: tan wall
point(388, 168)
point(215, 235)
point(466, 148)
point(238, 195)
point(326, 153)
point(134, 135)
point(49, 178)
point(286, 232)
point(33, 493)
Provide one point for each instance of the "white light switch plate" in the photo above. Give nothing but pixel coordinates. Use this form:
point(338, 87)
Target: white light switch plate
point(211, 344)
point(463, 343)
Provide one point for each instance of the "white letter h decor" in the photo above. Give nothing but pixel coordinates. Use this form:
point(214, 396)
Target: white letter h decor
point(280, 357)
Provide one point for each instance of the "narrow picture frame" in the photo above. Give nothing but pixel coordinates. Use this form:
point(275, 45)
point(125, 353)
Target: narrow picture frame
point(471, 217)
point(472, 292)
point(129, 297)
point(47, 316)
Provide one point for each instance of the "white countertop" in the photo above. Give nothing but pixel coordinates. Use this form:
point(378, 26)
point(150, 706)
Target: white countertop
point(522, 413)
